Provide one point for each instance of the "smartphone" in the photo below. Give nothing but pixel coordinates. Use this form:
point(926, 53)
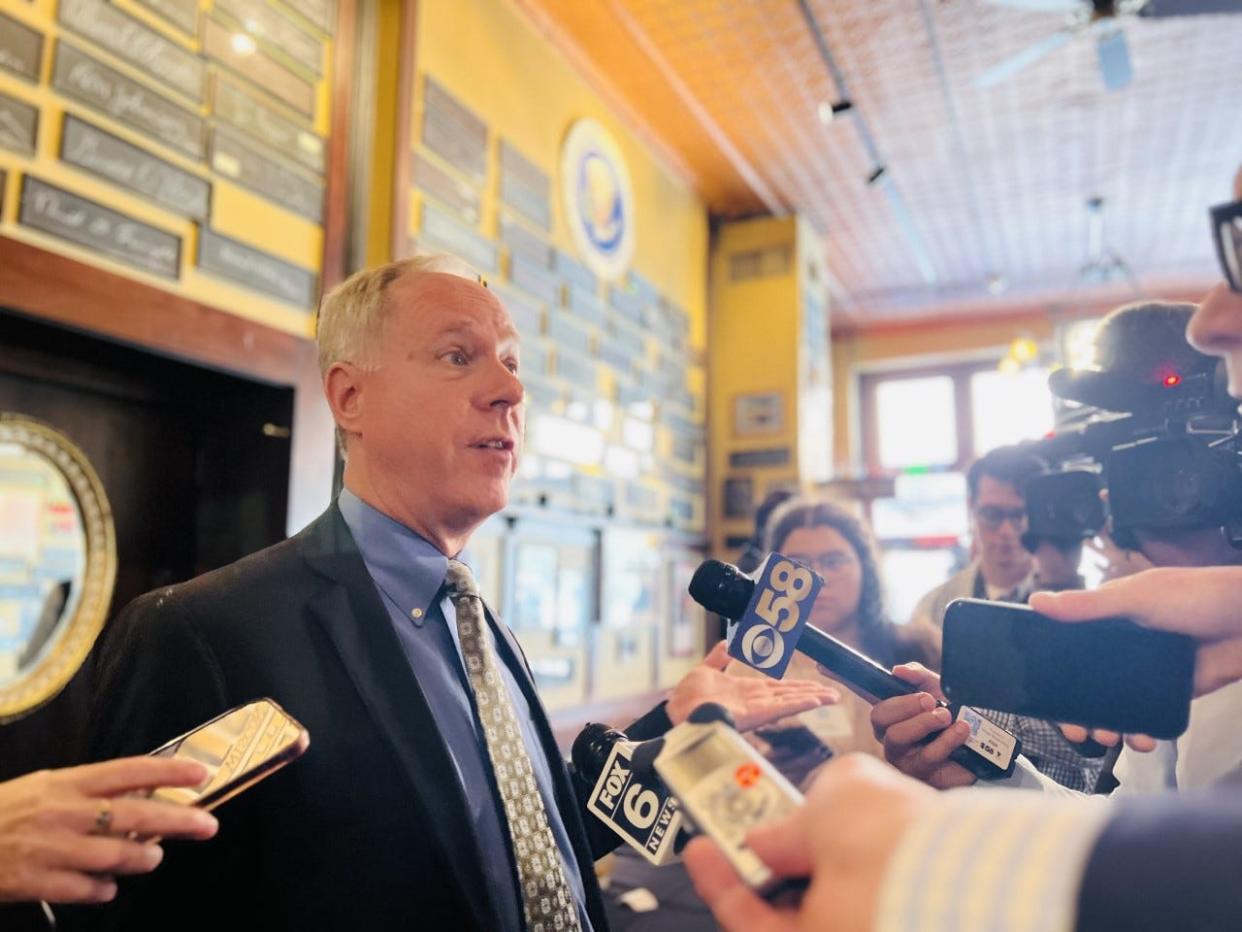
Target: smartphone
point(1102, 674)
point(239, 748)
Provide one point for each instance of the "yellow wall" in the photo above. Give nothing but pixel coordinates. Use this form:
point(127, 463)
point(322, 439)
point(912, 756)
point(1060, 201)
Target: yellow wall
point(754, 348)
point(235, 211)
point(488, 56)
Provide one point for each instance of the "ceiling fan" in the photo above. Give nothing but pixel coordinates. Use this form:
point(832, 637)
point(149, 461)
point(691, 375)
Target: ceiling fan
point(1101, 19)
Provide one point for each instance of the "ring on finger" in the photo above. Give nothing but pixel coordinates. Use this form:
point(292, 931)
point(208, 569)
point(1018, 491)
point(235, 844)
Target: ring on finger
point(103, 818)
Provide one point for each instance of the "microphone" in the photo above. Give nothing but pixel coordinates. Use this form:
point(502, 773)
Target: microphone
point(773, 614)
point(627, 796)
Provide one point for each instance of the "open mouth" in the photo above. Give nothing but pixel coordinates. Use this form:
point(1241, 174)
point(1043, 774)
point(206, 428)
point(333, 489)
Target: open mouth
point(500, 444)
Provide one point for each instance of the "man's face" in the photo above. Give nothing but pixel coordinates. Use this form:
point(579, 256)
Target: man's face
point(998, 519)
point(441, 415)
point(1216, 327)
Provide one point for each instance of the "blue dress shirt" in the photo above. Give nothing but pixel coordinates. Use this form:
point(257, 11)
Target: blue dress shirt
point(408, 572)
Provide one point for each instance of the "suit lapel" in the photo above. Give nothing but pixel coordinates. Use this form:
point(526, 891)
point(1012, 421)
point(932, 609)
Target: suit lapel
point(349, 610)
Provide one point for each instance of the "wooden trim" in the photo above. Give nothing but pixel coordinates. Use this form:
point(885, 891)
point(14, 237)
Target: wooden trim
point(403, 129)
point(337, 194)
point(73, 294)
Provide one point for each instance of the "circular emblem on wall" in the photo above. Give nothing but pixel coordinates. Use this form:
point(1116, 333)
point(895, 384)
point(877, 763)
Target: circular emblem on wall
point(598, 199)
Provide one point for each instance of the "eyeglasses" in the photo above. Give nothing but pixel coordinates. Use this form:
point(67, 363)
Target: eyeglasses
point(1227, 232)
point(824, 563)
point(992, 517)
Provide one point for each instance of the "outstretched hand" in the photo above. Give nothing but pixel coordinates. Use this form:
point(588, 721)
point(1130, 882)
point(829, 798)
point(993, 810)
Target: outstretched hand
point(751, 701)
point(66, 834)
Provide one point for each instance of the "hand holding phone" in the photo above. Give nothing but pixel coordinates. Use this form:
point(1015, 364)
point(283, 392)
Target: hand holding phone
point(239, 748)
point(1108, 673)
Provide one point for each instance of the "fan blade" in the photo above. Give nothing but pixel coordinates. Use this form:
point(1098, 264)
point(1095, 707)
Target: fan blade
point(1113, 53)
point(1040, 6)
point(1025, 58)
point(1159, 9)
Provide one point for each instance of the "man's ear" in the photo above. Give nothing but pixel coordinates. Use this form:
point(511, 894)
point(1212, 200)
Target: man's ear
point(342, 386)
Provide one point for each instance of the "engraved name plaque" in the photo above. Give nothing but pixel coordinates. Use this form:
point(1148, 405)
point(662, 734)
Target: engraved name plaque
point(453, 132)
point(115, 160)
point(146, 49)
point(77, 75)
point(21, 48)
point(258, 68)
point(181, 13)
point(269, 27)
point(99, 229)
point(255, 269)
point(269, 179)
point(320, 13)
point(263, 123)
point(19, 125)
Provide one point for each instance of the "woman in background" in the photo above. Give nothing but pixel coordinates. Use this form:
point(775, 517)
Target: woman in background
point(850, 607)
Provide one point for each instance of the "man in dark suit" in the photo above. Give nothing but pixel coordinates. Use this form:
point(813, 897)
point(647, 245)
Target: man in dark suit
point(433, 794)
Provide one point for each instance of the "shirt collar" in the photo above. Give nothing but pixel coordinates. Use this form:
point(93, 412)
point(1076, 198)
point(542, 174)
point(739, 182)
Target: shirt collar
point(404, 565)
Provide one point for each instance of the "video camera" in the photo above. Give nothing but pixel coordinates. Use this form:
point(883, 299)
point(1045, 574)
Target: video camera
point(1168, 451)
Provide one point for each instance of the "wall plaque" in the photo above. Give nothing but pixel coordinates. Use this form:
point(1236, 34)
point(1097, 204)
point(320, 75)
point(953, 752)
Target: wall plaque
point(567, 335)
point(19, 125)
point(126, 38)
point(258, 120)
point(758, 413)
point(573, 272)
point(586, 305)
point(258, 68)
point(181, 13)
point(453, 132)
point(739, 497)
point(21, 48)
point(615, 356)
point(533, 279)
point(444, 232)
point(266, 177)
point(574, 369)
point(274, 30)
point(626, 338)
point(319, 13)
point(744, 459)
point(527, 314)
point(77, 75)
point(626, 302)
point(458, 196)
point(99, 229)
point(255, 269)
point(524, 187)
point(522, 241)
point(686, 449)
point(115, 160)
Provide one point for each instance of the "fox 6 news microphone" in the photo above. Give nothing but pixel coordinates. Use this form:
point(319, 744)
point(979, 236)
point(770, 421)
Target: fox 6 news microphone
point(630, 800)
point(773, 612)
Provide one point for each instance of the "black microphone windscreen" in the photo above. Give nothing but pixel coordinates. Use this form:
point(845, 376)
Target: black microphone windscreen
point(721, 588)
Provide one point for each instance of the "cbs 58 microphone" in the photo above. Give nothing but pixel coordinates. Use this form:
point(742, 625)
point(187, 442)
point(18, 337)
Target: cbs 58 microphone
point(773, 611)
point(632, 801)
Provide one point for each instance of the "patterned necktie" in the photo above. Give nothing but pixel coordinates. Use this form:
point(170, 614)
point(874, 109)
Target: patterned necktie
point(546, 899)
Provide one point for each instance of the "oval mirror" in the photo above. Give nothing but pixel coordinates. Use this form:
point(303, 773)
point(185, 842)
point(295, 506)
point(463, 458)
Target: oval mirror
point(57, 562)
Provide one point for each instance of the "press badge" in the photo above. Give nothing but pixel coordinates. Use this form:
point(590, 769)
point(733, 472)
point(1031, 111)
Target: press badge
point(988, 739)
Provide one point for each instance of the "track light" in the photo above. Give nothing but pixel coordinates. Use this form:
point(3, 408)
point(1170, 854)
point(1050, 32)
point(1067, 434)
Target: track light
point(829, 111)
point(876, 174)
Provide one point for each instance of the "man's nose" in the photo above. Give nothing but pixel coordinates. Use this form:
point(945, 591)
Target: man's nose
point(1217, 325)
point(507, 389)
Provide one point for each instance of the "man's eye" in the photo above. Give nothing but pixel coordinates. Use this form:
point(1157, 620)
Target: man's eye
point(512, 365)
point(457, 358)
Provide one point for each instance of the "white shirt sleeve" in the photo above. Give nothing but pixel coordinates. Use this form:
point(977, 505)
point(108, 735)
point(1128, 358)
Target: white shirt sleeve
point(982, 861)
point(1026, 777)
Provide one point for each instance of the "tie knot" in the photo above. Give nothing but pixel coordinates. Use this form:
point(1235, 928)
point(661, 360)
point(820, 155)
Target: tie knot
point(460, 581)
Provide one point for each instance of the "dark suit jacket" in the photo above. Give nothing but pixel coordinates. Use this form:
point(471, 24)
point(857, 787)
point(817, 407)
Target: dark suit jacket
point(368, 830)
point(1169, 862)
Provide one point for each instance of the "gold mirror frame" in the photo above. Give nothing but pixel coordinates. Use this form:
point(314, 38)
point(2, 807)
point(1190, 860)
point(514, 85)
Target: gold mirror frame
point(69, 648)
